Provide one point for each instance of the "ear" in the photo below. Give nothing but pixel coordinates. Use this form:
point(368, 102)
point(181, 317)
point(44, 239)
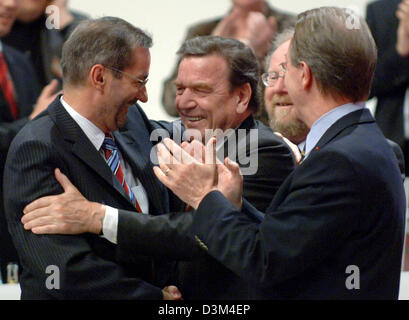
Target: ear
point(243, 97)
point(97, 76)
point(306, 75)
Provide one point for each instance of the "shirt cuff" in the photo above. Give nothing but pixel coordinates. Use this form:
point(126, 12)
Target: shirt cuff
point(110, 224)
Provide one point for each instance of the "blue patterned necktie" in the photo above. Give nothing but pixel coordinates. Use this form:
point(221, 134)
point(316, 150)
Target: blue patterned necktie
point(112, 158)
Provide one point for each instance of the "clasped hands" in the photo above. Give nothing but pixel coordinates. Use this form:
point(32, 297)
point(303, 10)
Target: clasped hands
point(192, 170)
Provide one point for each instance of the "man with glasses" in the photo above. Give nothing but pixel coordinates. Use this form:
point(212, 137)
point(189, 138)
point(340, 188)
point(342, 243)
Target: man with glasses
point(278, 104)
point(216, 91)
point(105, 66)
point(336, 226)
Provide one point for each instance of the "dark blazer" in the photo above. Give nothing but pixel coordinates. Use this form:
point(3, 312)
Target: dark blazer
point(343, 206)
point(88, 264)
point(392, 70)
point(27, 90)
point(204, 277)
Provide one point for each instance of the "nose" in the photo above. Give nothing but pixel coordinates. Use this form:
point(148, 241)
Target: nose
point(143, 94)
point(279, 86)
point(185, 100)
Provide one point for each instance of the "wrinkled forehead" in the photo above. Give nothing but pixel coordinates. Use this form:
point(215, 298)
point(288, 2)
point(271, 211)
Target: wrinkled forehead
point(208, 67)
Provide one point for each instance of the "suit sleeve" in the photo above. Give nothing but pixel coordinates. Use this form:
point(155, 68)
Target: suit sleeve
point(8, 130)
point(20, 69)
point(164, 236)
point(313, 219)
point(83, 273)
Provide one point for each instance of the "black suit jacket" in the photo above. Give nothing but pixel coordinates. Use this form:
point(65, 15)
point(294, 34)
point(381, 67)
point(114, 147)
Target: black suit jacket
point(27, 90)
point(88, 264)
point(204, 277)
point(392, 71)
point(343, 206)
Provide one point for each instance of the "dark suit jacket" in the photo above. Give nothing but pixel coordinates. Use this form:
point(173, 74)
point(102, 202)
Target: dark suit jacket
point(205, 278)
point(392, 71)
point(88, 264)
point(343, 206)
point(27, 90)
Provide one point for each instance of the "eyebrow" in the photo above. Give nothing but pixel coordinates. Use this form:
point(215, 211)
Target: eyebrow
point(195, 85)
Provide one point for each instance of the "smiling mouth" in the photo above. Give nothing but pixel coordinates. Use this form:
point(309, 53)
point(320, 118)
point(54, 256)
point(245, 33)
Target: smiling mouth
point(193, 119)
point(283, 104)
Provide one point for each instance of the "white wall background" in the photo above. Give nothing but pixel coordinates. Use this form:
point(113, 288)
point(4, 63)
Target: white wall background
point(167, 22)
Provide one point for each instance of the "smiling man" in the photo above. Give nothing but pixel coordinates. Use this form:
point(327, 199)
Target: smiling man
point(105, 65)
point(336, 226)
point(217, 90)
point(217, 93)
point(280, 108)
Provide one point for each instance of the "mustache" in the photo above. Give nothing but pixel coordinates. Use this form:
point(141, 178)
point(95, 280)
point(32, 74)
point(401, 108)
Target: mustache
point(280, 99)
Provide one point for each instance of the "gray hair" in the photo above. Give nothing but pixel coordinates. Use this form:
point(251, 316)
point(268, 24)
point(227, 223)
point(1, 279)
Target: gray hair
point(341, 58)
point(278, 40)
point(242, 62)
point(109, 41)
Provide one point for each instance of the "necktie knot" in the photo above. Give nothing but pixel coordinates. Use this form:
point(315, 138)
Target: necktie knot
point(109, 143)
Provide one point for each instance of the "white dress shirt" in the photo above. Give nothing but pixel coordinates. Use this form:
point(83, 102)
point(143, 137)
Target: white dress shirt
point(97, 136)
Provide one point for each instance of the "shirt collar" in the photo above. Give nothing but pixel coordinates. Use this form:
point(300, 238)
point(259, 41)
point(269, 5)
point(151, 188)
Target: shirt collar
point(93, 133)
point(321, 125)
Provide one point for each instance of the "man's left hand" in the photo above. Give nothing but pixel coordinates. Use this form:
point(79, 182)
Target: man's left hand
point(189, 178)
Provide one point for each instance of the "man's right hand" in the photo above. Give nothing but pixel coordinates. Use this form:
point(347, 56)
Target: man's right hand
point(47, 96)
point(66, 213)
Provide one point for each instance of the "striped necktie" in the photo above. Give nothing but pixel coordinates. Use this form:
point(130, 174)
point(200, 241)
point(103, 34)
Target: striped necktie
point(7, 86)
point(112, 158)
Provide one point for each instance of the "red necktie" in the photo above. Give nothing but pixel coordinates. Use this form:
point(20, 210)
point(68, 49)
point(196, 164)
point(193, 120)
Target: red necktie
point(6, 84)
point(112, 158)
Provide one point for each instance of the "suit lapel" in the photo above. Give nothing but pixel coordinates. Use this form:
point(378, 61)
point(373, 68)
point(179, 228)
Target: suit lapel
point(82, 146)
point(242, 141)
point(136, 147)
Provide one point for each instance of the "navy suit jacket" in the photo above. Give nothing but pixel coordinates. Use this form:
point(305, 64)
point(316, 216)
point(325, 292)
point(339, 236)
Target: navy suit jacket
point(88, 264)
point(27, 89)
point(343, 206)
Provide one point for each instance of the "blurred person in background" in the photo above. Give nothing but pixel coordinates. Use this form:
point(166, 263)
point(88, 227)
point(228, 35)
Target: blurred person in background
point(31, 34)
point(389, 24)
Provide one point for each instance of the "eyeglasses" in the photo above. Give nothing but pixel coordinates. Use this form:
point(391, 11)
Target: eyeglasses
point(140, 81)
point(270, 78)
